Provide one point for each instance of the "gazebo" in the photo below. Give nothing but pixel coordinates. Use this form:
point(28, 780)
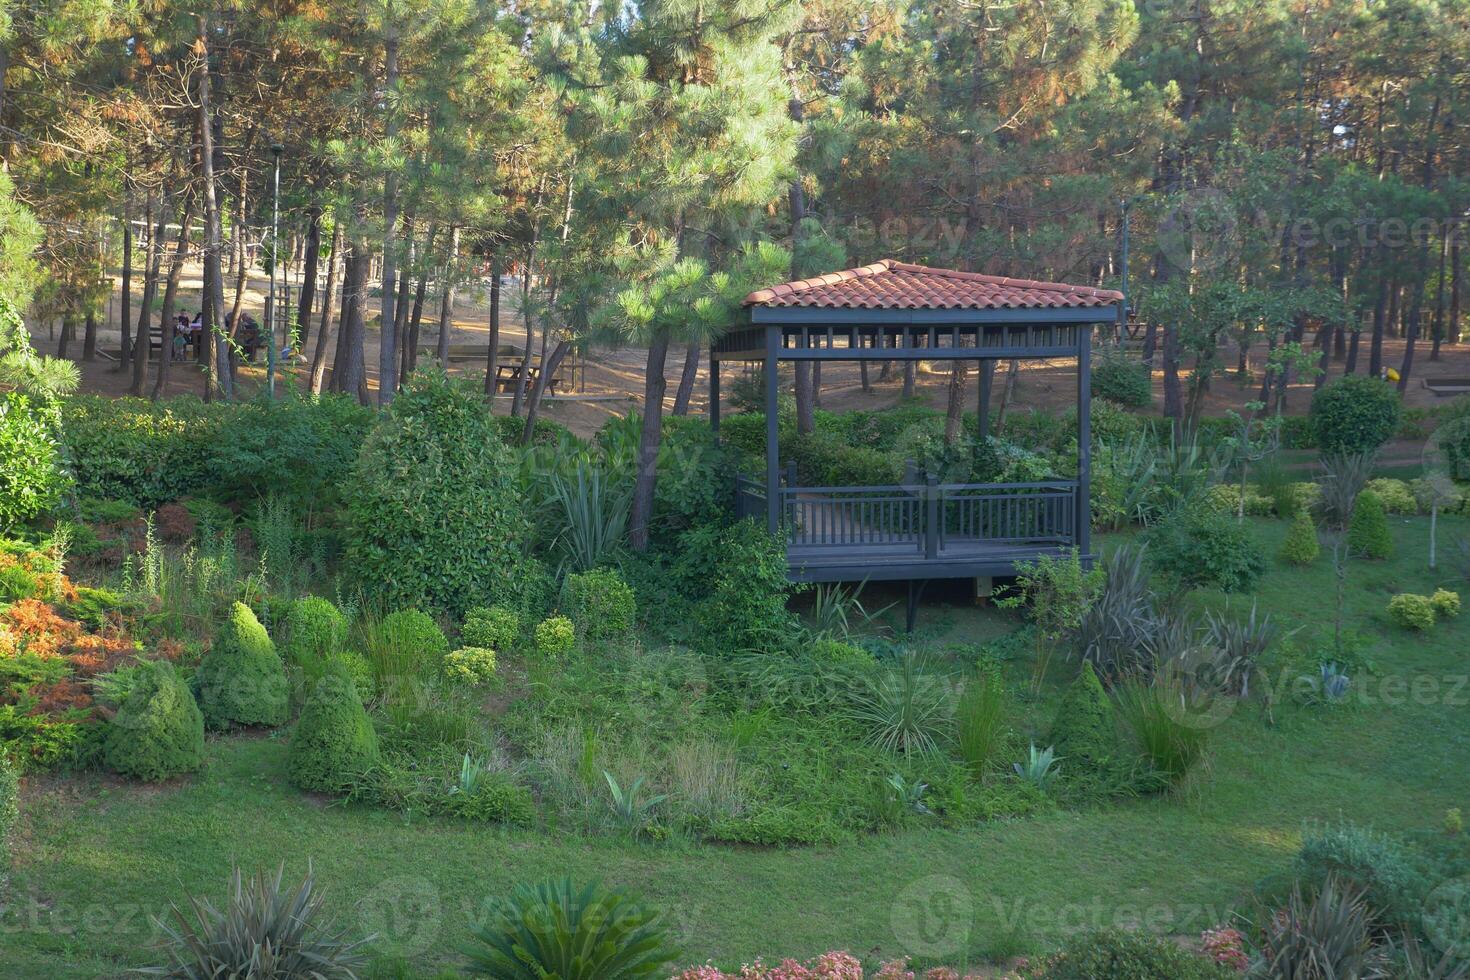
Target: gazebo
point(925, 528)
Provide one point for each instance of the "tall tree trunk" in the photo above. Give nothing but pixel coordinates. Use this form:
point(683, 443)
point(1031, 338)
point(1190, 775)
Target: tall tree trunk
point(349, 374)
point(217, 373)
point(324, 330)
point(125, 325)
point(1454, 326)
point(388, 352)
point(796, 196)
point(89, 336)
point(910, 369)
point(416, 318)
point(1437, 330)
point(863, 372)
point(239, 255)
point(68, 329)
point(954, 416)
point(492, 353)
point(550, 364)
point(645, 483)
point(446, 305)
point(152, 260)
point(687, 378)
point(307, 299)
point(1380, 323)
point(170, 295)
point(1351, 367)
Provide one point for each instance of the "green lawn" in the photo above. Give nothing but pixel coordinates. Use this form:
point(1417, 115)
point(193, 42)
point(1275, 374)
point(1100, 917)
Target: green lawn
point(97, 856)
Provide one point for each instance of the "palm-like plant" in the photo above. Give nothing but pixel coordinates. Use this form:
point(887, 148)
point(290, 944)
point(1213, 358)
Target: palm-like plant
point(555, 930)
point(905, 709)
point(265, 931)
point(594, 515)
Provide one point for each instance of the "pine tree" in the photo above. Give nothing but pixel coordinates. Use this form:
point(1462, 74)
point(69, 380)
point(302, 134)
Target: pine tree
point(1368, 534)
point(1301, 546)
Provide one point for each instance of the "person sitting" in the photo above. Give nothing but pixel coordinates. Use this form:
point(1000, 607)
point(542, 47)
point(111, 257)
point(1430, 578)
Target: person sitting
point(249, 336)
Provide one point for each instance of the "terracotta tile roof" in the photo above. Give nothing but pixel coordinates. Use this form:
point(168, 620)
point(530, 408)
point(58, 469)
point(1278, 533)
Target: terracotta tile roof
point(887, 284)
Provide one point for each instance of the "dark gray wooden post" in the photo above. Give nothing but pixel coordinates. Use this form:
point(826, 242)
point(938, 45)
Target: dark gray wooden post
point(1084, 439)
point(773, 432)
point(714, 391)
point(987, 379)
point(931, 516)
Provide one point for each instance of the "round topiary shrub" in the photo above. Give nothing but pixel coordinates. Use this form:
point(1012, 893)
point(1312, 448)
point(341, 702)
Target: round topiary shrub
point(356, 667)
point(334, 745)
point(436, 515)
point(1445, 603)
point(1085, 730)
point(1119, 379)
point(1199, 547)
point(241, 681)
point(1368, 528)
point(1301, 546)
point(1414, 612)
point(412, 641)
point(556, 637)
point(494, 628)
point(158, 730)
point(470, 666)
point(315, 629)
point(601, 604)
point(1354, 414)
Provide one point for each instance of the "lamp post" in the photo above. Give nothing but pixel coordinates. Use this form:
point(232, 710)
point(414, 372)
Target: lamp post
point(270, 350)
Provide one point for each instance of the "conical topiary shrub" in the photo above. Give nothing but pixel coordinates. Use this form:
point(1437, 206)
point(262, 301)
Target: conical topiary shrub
point(334, 743)
point(1368, 529)
point(315, 629)
point(1085, 730)
point(242, 681)
point(1301, 546)
point(158, 730)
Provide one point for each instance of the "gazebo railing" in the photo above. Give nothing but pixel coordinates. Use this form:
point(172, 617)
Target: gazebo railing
point(930, 517)
point(750, 497)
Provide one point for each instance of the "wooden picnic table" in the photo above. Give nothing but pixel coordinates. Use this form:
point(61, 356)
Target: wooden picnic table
point(508, 376)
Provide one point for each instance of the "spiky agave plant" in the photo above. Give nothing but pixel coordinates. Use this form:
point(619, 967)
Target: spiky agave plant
point(553, 929)
point(266, 930)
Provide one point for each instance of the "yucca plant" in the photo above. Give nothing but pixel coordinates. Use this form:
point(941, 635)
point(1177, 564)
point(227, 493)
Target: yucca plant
point(1321, 936)
point(1343, 478)
point(1241, 643)
point(594, 511)
point(628, 806)
point(906, 709)
point(1115, 630)
point(266, 931)
point(1039, 767)
point(555, 930)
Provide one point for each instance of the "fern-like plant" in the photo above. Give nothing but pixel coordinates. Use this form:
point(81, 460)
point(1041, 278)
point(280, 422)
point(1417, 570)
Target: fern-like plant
point(556, 930)
point(265, 930)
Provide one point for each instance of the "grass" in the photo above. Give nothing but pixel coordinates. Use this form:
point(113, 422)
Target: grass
point(97, 857)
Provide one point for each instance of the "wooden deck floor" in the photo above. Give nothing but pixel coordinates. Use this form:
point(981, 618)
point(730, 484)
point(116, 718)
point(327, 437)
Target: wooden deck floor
point(957, 558)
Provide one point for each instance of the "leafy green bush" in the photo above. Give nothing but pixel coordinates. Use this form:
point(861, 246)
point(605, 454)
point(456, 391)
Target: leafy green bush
point(1225, 498)
point(740, 571)
point(334, 745)
point(1120, 379)
point(493, 798)
point(9, 808)
point(315, 629)
point(1414, 612)
point(1085, 732)
point(1446, 603)
point(1397, 496)
point(158, 731)
point(1380, 865)
point(413, 640)
point(356, 666)
point(600, 603)
point(264, 930)
point(1117, 954)
point(471, 666)
point(435, 517)
point(32, 477)
point(556, 638)
point(1368, 534)
point(241, 681)
point(556, 930)
point(826, 650)
point(1300, 547)
point(1199, 547)
point(494, 628)
point(1354, 414)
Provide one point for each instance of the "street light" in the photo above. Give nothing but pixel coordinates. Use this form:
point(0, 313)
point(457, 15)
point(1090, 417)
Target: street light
point(270, 350)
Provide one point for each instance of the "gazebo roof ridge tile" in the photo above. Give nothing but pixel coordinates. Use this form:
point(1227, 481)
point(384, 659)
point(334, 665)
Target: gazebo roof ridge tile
point(890, 284)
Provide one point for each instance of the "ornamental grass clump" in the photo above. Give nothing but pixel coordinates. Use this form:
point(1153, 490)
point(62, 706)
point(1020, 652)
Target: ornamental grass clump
point(408, 642)
point(554, 929)
point(334, 745)
point(158, 731)
point(241, 681)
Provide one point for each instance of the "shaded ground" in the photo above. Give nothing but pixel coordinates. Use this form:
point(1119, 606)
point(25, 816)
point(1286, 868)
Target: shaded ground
point(609, 381)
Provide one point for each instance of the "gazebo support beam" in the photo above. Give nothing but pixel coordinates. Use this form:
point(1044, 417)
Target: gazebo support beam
point(714, 392)
point(1084, 441)
point(987, 381)
point(773, 433)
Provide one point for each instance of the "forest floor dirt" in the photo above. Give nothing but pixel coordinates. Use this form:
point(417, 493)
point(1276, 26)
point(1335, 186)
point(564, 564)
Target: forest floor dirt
point(609, 381)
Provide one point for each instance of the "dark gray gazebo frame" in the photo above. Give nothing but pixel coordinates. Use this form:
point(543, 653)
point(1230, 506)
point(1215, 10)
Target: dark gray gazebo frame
point(924, 530)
